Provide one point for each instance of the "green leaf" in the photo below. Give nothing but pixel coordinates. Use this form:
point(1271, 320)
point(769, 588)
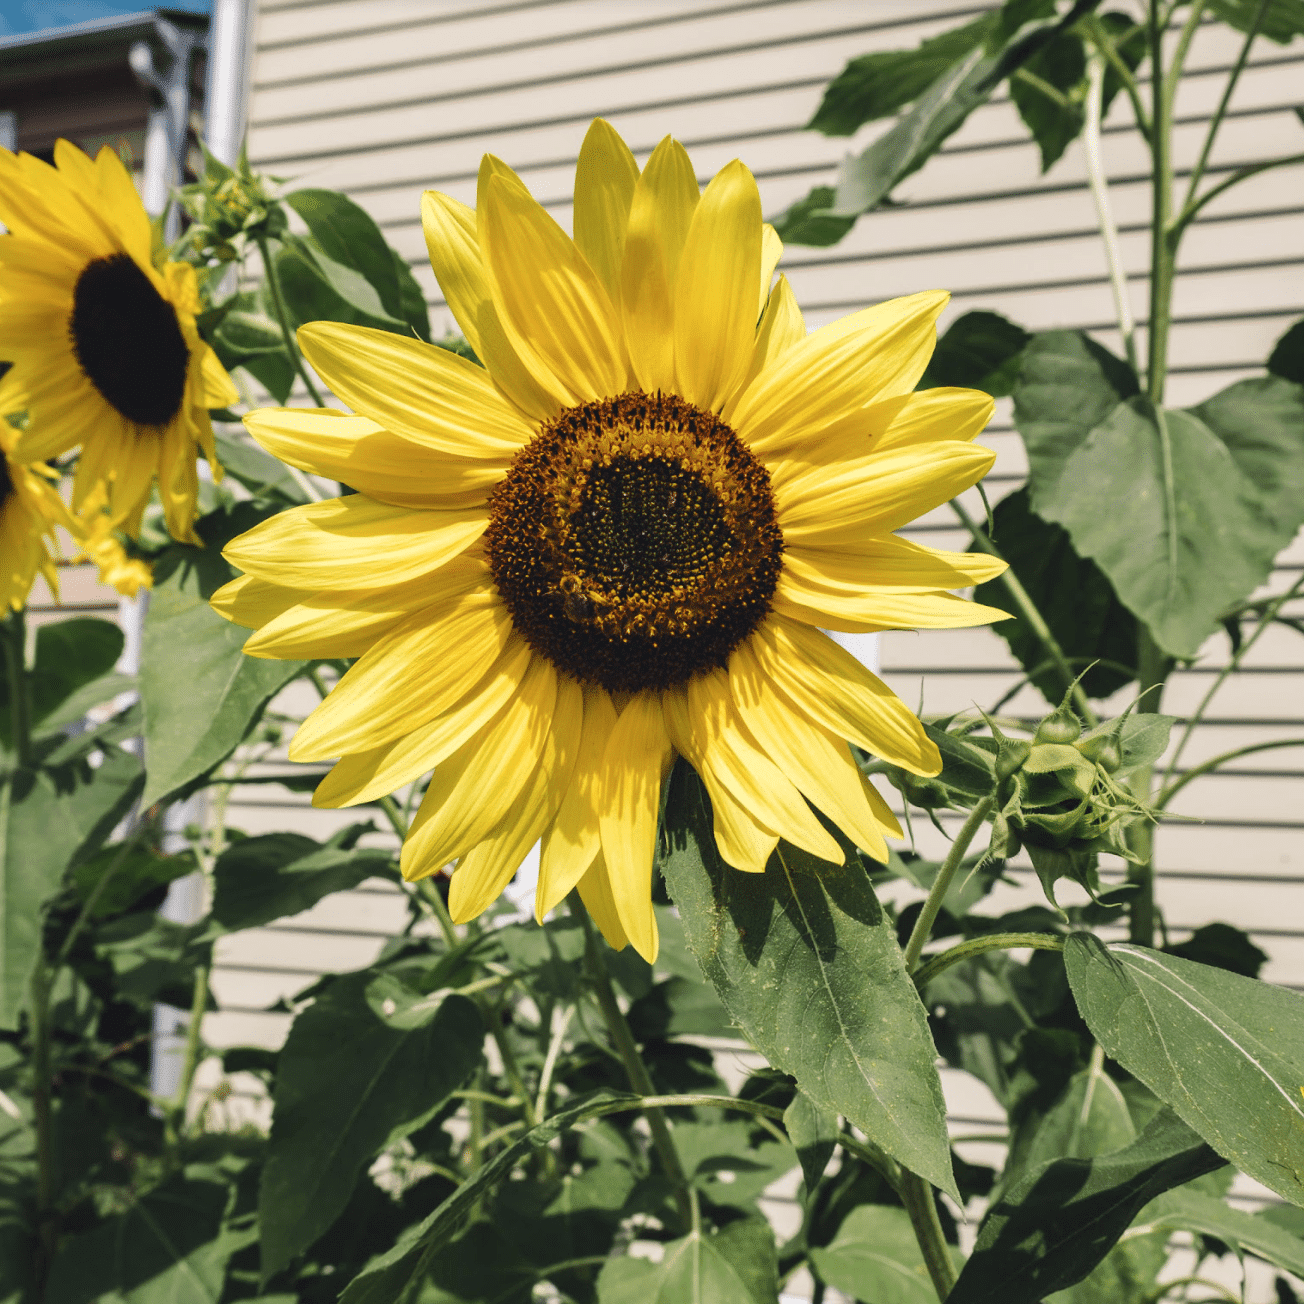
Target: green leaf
point(200, 693)
point(876, 85)
point(244, 333)
point(132, 872)
point(1072, 595)
point(1194, 1211)
point(981, 350)
point(1052, 1228)
point(811, 221)
point(347, 234)
point(1225, 1052)
point(259, 472)
point(76, 704)
point(48, 819)
point(814, 1134)
point(679, 1007)
point(346, 1084)
point(1049, 91)
point(726, 1162)
point(316, 287)
point(733, 1266)
point(1283, 20)
point(1068, 384)
point(1222, 946)
point(154, 959)
point(260, 879)
point(168, 1248)
point(807, 963)
point(412, 299)
point(1287, 357)
point(875, 1256)
point(1197, 538)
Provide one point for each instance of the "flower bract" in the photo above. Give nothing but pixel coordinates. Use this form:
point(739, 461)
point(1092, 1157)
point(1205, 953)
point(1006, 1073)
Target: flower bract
point(618, 541)
point(104, 343)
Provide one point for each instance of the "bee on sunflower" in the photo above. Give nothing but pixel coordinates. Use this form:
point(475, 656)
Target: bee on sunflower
point(616, 542)
point(105, 344)
point(30, 509)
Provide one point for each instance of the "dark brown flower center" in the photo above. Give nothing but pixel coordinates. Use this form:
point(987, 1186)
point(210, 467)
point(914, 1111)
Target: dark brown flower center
point(635, 542)
point(6, 482)
point(127, 341)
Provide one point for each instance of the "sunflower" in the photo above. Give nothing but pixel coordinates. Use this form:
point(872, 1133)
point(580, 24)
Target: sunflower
point(30, 508)
point(616, 542)
point(105, 344)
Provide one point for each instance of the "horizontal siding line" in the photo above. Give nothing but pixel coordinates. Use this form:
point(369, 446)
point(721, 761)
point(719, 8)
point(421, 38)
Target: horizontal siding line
point(534, 124)
point(1212, 876)
point(219, 967)
point(306, 931)
point(565, 38)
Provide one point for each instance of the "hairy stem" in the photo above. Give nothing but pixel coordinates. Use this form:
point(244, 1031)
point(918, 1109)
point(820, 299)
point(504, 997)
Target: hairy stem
point(1108, 48)
point(1029, 613)
point(1188, 214)
point(1207, 767)
point(978, 945)
point(1152, 672)
point(42, 1112)
point(923, 928)
point(20, 718)
point(273, 281)
point(917, 1196)
point(635, 1070)
point(176, 1111)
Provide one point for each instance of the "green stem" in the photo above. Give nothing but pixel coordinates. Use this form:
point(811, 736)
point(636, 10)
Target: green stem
point(176, 1111)
point(15, 653)
point(1152, 673)
point(1188, 215)
point(283, 318)
point(978, 945)
point(635, 1070)
point(42, 1112)
point(1108, 47)
point(1029, 613)
point(942, 883)
point(1206, 767)
point(917, 1196)
point(1197, 173)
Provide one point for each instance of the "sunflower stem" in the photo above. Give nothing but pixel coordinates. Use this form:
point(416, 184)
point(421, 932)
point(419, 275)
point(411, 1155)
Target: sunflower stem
point(176, 1107)
point(42, 1111)
point(635, 1070)
point(283, 318)
point(15, 653)
point(1028, 611)
point(977, 945)
point(921, 1205)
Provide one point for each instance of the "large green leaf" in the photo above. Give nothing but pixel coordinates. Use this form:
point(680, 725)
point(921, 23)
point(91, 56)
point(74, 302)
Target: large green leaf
point(1052, 1228)
point(259, 472)
point(1287, 356)
point(347, 1083)
point(201, 694)
point(168, 1248)
point(981, 350)
point(875, 1256)
point(1074, 598)
point(807, 963)
point(318, 288)
point(1283, 19)
point(257, 880)
point(1197, 540)
point(1194, 1211)
point(876, 85)
point(1225, 1052)
point(814, 1134)
point(733, 1266)
point(48, 818)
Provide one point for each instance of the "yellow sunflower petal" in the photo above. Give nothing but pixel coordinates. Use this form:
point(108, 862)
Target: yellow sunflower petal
point(599, 900)
point(870, 355)
point(605, 177)
point(219, 388)
point(354, 543)
point(892, 564)
point(627, 795)
point(818, 763)
point(454, 247)
point(876, 494)
point(771, 252)
point(715, 291)
point(868, 611)
point(416, 390)
point(781, 328)
point(360, 453)
point(488, 868)
point(573, 840)
point(364, 776)
point(252, 602)
point(828, 684)
point(472, 791)
point(933, 414)
point(123, 202)
point(409, 676)
point(659, 217)
point(556, 314)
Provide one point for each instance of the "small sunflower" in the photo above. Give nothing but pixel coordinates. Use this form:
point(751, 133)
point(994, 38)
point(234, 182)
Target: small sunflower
point(617, 542)
point(105, 344)
point(30, 508)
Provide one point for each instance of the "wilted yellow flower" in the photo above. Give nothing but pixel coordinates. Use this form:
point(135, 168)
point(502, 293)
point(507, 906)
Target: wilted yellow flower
point(105, 345)
point(100, 544)
point(617, 541)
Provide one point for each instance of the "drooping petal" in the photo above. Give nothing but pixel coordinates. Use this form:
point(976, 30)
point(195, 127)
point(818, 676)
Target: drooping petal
point(409, 676)
point(868, 611)
point(827, 684)
point(628, 791)
point(599, 900)
point(715, 290)
point(605, 177)
point(870, 355)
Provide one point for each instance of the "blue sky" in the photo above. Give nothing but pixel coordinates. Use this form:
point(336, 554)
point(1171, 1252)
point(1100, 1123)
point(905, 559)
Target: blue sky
point(19, 16)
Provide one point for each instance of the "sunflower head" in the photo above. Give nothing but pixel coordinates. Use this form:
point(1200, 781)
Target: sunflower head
point(104, 342)
point(617, 541)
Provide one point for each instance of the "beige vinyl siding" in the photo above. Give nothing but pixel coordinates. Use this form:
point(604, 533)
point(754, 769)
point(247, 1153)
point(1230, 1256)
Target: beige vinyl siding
point(385, 98)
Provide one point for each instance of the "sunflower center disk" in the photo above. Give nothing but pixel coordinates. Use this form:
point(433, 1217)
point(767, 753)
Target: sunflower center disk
point(127, 341)
point(635, 542)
